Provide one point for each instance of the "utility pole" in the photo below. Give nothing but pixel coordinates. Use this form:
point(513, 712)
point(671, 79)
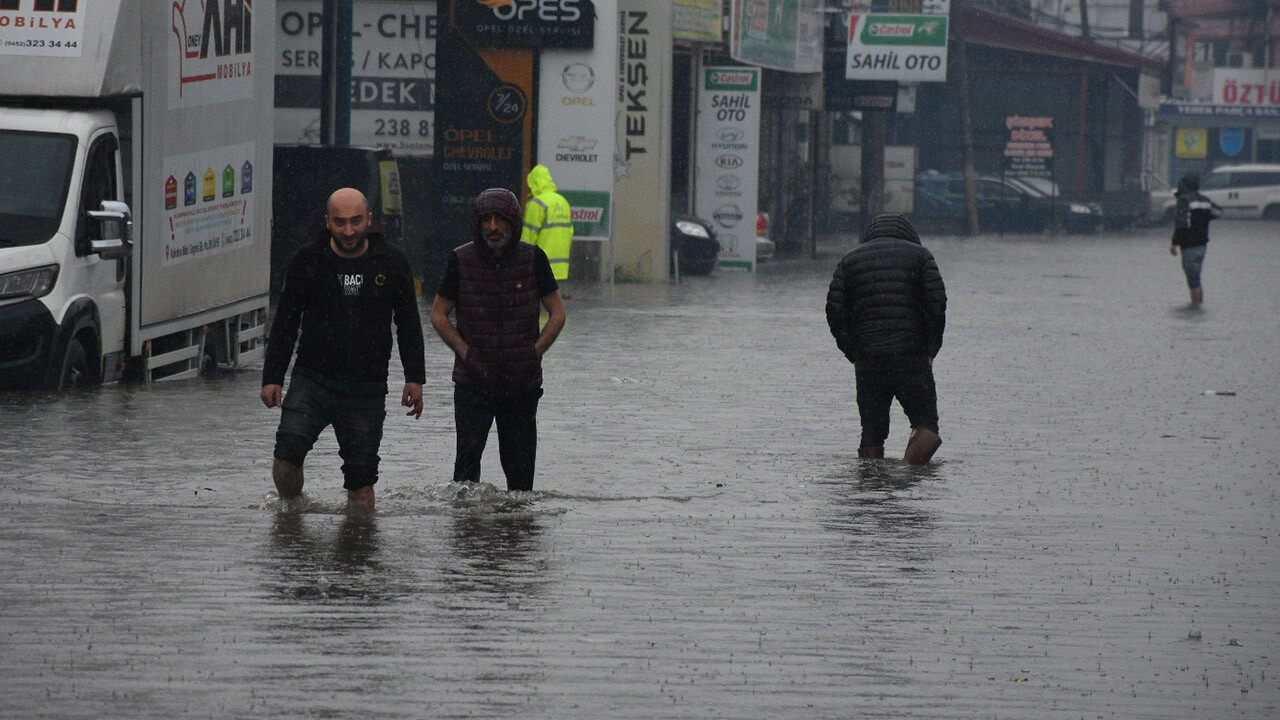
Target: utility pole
point(966, 119)
point(873, 135)
point(335, 73)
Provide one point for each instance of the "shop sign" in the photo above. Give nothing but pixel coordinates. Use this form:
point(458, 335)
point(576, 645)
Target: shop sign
point(907, 48)
point(1246, 87)
point(727, 160)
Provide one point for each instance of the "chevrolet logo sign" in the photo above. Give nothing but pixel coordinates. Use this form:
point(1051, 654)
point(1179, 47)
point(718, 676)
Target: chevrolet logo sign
point(577, 143)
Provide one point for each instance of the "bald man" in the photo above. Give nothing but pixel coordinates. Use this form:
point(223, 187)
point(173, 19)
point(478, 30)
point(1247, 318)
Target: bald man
point(343, 291)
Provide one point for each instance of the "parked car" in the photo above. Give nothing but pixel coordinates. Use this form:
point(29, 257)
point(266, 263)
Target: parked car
point(1005, 204)
point(693, 245)
point(1243, 191)
point(764, 246)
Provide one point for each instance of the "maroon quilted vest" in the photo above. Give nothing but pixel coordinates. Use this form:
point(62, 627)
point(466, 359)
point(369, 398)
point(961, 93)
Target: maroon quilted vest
point(497, 313)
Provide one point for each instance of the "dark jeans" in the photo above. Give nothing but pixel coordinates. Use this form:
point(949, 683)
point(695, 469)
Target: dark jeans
point(880, 380)
point(474, 413)
point(356, 413)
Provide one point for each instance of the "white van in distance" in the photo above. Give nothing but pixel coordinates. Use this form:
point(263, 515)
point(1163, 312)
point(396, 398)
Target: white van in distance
point(1242, 191)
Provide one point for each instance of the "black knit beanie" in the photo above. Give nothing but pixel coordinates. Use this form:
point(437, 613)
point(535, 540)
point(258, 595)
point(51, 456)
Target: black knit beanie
point(499, 201)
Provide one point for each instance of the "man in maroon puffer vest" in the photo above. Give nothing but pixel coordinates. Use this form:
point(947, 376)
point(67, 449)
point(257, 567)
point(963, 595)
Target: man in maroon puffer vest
point(496, 283)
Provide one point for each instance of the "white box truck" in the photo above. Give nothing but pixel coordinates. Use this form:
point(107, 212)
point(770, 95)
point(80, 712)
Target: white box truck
point(135, 191)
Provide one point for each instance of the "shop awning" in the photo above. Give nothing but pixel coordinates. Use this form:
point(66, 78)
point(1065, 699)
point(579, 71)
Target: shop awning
point(990, 29)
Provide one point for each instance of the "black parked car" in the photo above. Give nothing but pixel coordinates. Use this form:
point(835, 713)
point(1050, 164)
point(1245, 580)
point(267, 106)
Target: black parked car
point(695, 241)
point(1005, 204)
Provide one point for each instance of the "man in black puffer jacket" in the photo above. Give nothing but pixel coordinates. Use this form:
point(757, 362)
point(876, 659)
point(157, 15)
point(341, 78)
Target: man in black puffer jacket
point(496, 284)
point(887, 308)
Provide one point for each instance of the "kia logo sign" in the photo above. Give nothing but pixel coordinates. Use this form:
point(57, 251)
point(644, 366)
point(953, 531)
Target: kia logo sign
point(728, 215)
point(729, 162)
point(730, 134)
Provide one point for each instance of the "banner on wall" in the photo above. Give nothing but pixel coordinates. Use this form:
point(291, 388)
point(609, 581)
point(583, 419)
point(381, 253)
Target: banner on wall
point(393, 74)
point(727, 158)
point(642, 159)
point(483, 118)
point(778, 34)
point(696, 20)
point(34, 30)
point(1028, 150)
point(208, 203)
point(526, 23)
point(577, 123)
point(1191, 143)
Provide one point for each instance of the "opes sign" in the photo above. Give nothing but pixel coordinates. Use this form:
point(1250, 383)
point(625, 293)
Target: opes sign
point(906, 48)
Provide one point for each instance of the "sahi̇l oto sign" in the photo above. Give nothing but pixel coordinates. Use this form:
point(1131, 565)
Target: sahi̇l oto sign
point(906, 48)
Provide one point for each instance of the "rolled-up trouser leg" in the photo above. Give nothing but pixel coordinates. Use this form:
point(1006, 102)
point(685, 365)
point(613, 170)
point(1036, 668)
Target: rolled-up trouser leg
point(357, 425)
point(303, 415)
point(1192, 263)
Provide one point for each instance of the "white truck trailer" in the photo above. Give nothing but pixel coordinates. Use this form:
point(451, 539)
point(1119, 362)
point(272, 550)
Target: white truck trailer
point(135, 189)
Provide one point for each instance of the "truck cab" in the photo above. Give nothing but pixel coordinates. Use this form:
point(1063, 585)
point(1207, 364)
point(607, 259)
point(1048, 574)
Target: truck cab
point(63, 249)
point(135, 202)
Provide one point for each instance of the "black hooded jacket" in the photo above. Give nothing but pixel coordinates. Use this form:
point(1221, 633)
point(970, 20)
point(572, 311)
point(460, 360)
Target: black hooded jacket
point(887, 297)
point(1192, 213)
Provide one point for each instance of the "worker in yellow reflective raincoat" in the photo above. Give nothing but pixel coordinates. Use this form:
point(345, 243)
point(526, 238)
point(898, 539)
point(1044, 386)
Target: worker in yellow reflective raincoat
point(548, 220)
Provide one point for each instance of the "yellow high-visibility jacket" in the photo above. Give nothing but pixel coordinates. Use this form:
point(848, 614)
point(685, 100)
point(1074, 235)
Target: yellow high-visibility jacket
point(548, 221)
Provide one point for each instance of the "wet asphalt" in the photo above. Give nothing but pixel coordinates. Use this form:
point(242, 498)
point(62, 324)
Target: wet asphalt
point(1095, 539)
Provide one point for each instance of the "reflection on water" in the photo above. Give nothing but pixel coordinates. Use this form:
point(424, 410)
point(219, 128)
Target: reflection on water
point(496, 552)
point(314, 561)
point(883, 508)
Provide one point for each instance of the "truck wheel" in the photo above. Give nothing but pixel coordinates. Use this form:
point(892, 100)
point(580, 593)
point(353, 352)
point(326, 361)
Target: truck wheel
point(77, 372)
point(1271, 213)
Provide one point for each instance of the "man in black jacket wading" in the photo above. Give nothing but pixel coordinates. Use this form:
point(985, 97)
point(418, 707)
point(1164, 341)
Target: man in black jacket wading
point(496, 284)
point(887, 308)
point(343, 290)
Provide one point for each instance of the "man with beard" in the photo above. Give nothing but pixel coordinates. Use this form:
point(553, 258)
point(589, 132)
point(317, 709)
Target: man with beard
point(343, 291)
point(496, 283)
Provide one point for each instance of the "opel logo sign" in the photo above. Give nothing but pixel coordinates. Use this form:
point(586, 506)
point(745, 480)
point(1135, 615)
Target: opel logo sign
point(578, 77)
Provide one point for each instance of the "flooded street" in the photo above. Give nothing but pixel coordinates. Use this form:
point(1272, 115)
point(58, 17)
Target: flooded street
point(1095, 539)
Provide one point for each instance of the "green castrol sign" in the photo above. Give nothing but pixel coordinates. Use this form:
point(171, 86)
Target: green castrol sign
point(905, 48)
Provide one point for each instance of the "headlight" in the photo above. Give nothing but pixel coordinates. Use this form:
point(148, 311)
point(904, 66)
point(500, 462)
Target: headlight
point(691, 228)
point(32, 283)
point(1081, 209)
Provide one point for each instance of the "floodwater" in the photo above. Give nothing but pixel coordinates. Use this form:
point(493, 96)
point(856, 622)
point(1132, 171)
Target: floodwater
point(1096, 538)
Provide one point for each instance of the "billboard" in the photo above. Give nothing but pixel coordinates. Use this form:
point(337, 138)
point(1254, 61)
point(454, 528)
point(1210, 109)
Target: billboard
point(905, 48)
point(778, 34)
point(393, 74)
point(576, 124)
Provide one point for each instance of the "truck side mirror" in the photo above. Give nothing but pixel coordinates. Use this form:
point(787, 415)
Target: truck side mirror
point(116, 222)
